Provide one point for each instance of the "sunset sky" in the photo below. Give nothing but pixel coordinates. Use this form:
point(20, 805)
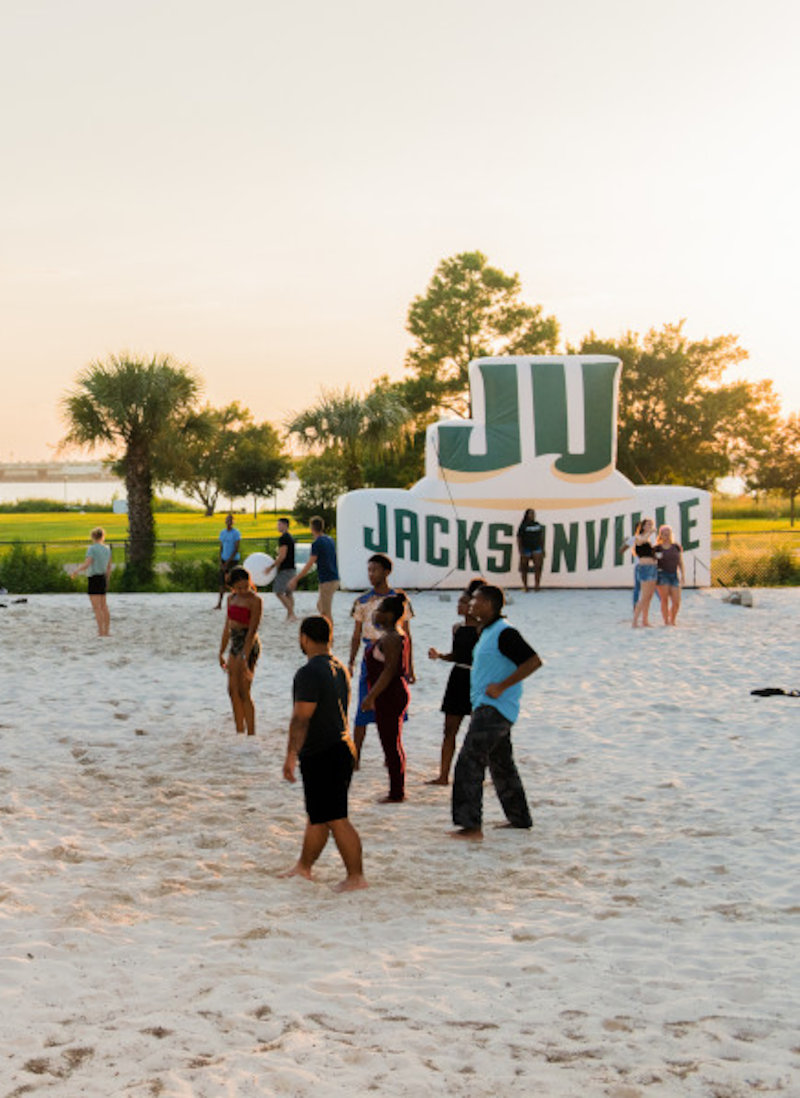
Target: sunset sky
point(260, 190)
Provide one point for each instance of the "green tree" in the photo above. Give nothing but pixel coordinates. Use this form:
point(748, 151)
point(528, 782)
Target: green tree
point(195, 461)
point(133, 407)
point(257, 465)
point(353, 428)
point(321, 484)
point(678, 422)
point(775, 467)
point(469, 310)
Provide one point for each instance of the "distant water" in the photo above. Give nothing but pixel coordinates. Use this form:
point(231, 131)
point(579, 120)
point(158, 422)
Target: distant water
point(74, 492)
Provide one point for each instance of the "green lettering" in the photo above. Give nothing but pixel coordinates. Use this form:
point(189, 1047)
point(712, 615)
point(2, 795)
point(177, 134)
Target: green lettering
point(496, 531)
point(432, 523)
point(661, 517)
point(379, 544)
point(550, 415)
point(466, 545)
point(565, 546)
point(503, 446)
point(688, 523)
point(595, 550)
point(620, 549)
point(406, 533)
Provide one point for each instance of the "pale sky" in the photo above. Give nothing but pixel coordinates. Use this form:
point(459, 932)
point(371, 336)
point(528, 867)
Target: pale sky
point(260, 189)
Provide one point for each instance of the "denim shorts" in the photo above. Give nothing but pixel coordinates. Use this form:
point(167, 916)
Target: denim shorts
point(646, 572)
point(667, 579)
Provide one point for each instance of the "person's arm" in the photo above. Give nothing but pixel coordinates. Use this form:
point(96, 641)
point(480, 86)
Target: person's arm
point(533, 663)
point(282, 551)
point(108, 566)
point(681, 571)
point(302, 713)
point(223, 644)
point(293, 582)
point(392, 648)
point(355, 641)
point(252, 629)
point(412, 677)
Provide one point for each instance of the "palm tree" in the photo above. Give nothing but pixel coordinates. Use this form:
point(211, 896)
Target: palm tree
point(132, 406)
point(352, 427)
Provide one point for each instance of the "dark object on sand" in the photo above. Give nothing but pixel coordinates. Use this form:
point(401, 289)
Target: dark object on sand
point(770, 691)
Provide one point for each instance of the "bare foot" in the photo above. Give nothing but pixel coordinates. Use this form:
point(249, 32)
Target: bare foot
point(297, 870)
point(512, 827)
point(351, 884)
point(471, 834)
point(437, 781)
point(390, 800)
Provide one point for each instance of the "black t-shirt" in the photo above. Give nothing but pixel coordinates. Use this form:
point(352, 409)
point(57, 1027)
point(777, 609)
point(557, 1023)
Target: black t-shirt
point(514, 646)
point(531, 534)
point(288, 561)
point(325, 681)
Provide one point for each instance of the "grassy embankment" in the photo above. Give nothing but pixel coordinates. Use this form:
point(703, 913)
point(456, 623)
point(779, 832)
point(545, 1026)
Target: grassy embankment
point(181, 536)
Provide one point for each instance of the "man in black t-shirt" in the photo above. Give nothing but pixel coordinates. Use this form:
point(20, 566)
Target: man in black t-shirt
point(320, 741)
point(285, 569)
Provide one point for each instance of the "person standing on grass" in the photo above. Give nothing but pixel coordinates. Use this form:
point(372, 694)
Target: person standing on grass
point(284, 569)
point(241, 630)
point(323, 555)
point(97, 565)
point(319, 740)
point(455, 703)
point(500, 662)
point(229, 539)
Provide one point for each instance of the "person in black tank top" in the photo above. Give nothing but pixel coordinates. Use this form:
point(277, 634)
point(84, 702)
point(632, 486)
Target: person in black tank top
point(456, 703)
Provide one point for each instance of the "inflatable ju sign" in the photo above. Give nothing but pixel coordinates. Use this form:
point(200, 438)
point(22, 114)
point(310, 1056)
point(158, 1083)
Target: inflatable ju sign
point(543, 435)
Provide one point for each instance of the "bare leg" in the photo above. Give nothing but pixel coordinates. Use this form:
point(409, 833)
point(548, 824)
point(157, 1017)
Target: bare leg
point(643, 605)
point(348, 844)
point(538, 561)
point(248, 709)
point(288, 602)
point(452, 723)
point(524, 565)
point(314, 840)
point(99, 617)
point(663, 594)
point(359, 732)
point(234, 666)
point(675, 603)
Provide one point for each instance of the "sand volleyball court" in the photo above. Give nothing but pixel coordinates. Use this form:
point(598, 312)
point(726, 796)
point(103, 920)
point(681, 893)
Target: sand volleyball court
point(640, 942)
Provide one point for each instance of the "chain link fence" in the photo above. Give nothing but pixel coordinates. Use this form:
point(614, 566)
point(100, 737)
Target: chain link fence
point(766, 558)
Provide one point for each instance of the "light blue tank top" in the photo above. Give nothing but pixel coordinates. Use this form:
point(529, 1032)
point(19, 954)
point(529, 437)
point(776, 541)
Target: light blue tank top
point(490, 665)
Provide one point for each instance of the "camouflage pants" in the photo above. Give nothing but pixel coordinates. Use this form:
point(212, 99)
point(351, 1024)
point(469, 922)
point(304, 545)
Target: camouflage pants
point(488, 743)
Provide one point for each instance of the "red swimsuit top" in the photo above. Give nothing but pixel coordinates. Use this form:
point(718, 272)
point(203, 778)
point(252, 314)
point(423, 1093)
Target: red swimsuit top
point(239, 613)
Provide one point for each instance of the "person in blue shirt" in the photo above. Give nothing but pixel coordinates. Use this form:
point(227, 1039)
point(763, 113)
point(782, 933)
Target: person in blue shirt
point(323, 555)
point(500, 661)
point(229, 539)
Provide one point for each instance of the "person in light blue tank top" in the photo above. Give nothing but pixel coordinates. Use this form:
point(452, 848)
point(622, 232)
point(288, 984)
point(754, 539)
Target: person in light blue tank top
point(500, 661)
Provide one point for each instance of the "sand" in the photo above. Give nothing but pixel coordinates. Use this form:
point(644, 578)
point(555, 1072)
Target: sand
point(641, 941)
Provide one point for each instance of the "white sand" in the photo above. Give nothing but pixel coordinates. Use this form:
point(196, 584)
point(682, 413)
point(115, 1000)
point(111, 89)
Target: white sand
point(640, 941)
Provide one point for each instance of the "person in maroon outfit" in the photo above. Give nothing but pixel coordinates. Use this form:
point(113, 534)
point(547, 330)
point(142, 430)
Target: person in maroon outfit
point(388, 662)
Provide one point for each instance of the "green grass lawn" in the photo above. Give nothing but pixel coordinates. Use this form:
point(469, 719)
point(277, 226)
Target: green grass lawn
point(181, 536)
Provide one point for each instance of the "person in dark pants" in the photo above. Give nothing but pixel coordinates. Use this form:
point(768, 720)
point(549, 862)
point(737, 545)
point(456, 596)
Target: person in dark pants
point(388, 661)
point(319, 739)
point(500, 661)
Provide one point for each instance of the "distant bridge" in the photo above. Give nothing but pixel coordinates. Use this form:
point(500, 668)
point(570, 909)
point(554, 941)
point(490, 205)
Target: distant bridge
point(43, 472)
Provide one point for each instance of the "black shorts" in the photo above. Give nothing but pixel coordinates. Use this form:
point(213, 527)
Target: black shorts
point(326, 780)
point(97, 584)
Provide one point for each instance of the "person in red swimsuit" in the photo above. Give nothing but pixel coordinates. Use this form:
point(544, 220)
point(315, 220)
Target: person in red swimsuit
point(241, 631)
point(388, 663)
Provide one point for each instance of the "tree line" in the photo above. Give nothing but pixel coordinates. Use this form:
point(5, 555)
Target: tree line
point(680, 421)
